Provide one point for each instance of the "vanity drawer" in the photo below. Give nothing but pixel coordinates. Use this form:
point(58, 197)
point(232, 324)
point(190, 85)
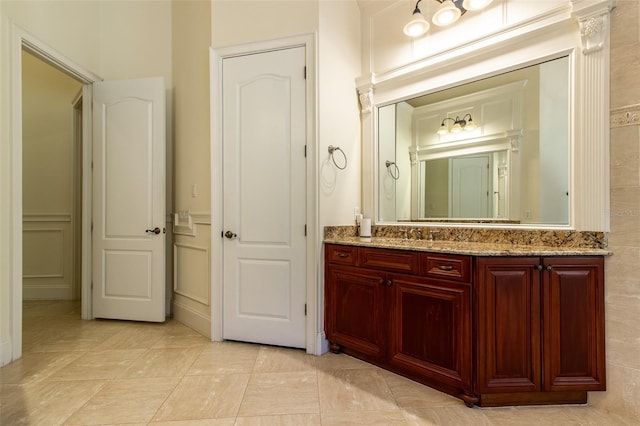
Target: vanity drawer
point(447, 266)
point(389, 260)
point(344, 255)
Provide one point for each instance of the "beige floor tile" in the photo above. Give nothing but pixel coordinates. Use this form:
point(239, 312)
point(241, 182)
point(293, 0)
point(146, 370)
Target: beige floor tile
point(281, 393)
point(412, 394)
point(354, 390)
point(284, 420)
point(273, 359)
point(225, 358)
point(166, 362)
point(33, 367)
point(44, 403)
point(98, 365)
point(125, 401)
point(134, 338)
point(204, 397)
point(204, 422)
point(80, 339)
point(331, 361)
point(181, 341)
point(368, 418)
point(261, 385)
point(448, 416)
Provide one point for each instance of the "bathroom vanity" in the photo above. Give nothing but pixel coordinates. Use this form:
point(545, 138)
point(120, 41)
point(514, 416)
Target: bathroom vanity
point(490, 324)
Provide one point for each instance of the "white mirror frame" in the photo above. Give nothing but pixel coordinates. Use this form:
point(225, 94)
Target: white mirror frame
point(582, 33)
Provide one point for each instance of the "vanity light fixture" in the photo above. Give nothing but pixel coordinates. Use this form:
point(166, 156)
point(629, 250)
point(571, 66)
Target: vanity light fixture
point(459, 124)
point(417, 25)
point(448, 13)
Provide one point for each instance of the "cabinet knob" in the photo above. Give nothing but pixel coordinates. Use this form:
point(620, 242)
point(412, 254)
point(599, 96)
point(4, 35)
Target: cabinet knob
point(343, 254)
point(445, 267)
point(389, 283)
point(539, 267)
point(549, 268)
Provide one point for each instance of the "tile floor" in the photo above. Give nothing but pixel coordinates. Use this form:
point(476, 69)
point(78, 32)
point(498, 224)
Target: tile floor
point(76, 372)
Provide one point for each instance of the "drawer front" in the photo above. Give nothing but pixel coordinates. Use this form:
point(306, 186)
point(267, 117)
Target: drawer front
point(389, 260)
point(451, 267)
point(343, 255)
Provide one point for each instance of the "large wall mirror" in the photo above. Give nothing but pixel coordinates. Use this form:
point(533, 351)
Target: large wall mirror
point(496, 150)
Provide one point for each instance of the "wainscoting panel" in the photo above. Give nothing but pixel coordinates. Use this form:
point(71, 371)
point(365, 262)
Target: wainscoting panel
point(47, 257)
point(192, 286)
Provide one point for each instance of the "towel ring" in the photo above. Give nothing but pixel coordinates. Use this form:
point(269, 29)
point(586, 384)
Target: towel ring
point(395, 176)
point(333, 149)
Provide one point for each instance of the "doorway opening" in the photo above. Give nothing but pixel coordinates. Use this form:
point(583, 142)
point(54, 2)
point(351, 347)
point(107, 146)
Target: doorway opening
point(51, 182)
point(21, 42)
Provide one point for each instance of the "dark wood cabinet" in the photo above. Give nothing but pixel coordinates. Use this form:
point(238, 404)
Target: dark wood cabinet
point(540, 329)
point(404, 311)
point(492, 331)
point(430, 330)
point(355, 310)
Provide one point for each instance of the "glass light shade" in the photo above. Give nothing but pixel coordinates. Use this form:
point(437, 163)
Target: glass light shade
point(457, 128)
point(447, 14)
point(417, 26)
point(475, 4)
point(443, 130)
point(471, 126)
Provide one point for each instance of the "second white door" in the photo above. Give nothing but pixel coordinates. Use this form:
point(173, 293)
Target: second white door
point(264, 176)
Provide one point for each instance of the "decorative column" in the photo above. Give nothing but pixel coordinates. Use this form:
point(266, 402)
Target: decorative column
point(369, 160)
point(591, 205)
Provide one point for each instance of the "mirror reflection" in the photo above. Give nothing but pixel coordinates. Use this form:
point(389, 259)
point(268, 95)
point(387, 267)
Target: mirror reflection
point(495, 150)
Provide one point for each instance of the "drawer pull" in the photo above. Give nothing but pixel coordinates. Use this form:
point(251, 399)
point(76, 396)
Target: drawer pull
point(445, 267)
point(343, 255)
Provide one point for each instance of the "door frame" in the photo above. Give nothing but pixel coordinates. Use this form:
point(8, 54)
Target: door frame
point(19, 39)
point(314, 332)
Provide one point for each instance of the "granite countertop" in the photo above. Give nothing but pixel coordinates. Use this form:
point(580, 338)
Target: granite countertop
point(467, 248)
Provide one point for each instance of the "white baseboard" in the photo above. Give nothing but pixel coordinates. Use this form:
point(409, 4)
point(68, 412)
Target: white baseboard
point(5, 353)
point(322, 344)
point(192, 319)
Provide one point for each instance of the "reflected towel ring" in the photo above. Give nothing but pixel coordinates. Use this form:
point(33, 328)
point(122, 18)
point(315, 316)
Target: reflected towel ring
point(333, 149)
point(395, 176)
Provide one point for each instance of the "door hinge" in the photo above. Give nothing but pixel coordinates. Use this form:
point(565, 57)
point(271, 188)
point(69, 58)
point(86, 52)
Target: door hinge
point(305, 309)
point(305, 229)
point(305, 72)
point(305, 151)
point(91, 226)
point(221, 234)
point(92, 285)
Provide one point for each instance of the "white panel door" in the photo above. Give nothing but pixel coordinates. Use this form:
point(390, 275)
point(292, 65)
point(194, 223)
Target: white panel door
point(470, 187)
point(129, 200)
point(264, 197)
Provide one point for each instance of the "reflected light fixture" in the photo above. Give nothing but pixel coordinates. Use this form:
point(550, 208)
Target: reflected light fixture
point(448, 13)
point(465, 123)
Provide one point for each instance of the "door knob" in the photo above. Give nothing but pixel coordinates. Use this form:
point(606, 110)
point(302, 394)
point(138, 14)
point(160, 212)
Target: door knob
point(155, 230)
point(230, 235)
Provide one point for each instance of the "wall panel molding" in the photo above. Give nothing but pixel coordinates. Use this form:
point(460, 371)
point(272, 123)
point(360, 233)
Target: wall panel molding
point(55, 242)
point(46, 217)
point(192, 273)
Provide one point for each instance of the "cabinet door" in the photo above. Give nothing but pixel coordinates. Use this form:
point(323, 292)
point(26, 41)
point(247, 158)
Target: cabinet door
point(431, 329)
point(573, 324)
point(354, 309)
point(508, 325)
